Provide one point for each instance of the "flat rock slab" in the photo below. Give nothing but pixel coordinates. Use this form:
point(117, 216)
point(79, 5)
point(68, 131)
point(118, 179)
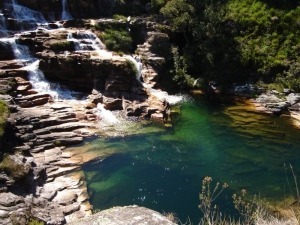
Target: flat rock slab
point(127, 215)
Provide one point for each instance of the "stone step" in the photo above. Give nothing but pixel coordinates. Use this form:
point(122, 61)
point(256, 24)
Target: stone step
point(60, 128)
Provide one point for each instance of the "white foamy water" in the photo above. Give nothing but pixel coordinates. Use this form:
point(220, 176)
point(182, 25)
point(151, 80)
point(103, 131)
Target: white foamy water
point(138, 64)
point(87, 41)
point(105, 116)
point(3, 31)
point(65, 15)
point(161, 95)
point(36, 76)
point(23, 13)
point(38, 81)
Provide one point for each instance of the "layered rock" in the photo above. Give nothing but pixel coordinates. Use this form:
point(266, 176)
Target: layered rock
point(154, 50)
point(53, 190)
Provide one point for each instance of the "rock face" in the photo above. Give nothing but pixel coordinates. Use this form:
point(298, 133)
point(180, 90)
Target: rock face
point(132, 215)
point(53, 188)
point(276, 103)
point(153, 48)
point(43, 180)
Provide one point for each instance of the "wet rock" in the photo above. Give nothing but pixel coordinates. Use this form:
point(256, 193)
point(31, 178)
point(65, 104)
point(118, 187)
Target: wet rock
point(112, 103)
point(33, 100)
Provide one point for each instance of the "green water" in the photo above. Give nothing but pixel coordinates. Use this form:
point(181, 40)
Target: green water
point(163, 170)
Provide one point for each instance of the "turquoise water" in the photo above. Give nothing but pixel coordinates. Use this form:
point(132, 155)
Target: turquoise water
point(163, 170)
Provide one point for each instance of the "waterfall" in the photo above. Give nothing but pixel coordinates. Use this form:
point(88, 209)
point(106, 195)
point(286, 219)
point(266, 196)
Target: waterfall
point(162, 95)
point(38, 81)
point(21, 52)
point(36, 76)
point(65, 15)
point(23, 13)
point(106, 116)
point(88, 41)
point(139, 66)
point(3, 31)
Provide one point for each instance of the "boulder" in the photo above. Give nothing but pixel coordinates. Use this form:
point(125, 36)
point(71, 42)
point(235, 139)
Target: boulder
point(133, 215)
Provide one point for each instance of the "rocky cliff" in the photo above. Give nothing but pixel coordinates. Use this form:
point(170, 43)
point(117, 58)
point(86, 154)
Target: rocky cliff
point(45, 68)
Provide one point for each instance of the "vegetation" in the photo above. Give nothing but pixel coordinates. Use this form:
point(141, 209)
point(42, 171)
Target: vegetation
point(3, 116)
point(118, 40)
point(13, 167)
point(238, 40)
point(250, 211)
point(62, 46)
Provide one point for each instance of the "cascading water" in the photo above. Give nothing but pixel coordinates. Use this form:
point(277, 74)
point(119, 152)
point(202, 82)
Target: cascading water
point(3, 31)
point(107, 117)
point(38, 81)
point(23, 13)
point(36, 76)
point(65, 15)
point(88, 41)
point(162, 95)
point(139, 66)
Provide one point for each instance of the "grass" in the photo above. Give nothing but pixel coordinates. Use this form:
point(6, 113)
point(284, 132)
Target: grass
point(251, 211)
point(4, 112)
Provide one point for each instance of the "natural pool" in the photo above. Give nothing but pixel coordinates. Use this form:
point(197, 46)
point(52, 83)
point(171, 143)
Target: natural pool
point(162, 168)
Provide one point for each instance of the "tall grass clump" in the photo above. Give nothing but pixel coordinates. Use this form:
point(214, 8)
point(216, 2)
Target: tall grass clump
point(250, 211)
point(3, 116)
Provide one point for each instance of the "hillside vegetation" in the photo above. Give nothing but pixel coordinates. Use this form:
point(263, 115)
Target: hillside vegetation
point(237, 40)
point(4, 112)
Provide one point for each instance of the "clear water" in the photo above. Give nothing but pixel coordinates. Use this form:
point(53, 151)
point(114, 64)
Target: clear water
point(163, 170)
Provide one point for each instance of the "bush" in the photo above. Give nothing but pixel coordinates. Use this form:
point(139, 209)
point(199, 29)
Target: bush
point(120, 17)
point(14, 168)
point(3, 117)
point(117, 40)
point(156, 5)
point(62, 46)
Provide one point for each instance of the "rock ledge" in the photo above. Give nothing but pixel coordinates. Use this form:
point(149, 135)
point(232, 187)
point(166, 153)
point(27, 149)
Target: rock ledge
point(127, 215)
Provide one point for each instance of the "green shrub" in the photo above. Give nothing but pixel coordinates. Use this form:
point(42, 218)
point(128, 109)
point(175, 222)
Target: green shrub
point(62, 46)
point(14, 168)
point(120, 17)
point(132, 68)
point(268, 37)
point(3, 117)
point(156, 5)
point(180, 75)
point(117, 40)
point(35, 222)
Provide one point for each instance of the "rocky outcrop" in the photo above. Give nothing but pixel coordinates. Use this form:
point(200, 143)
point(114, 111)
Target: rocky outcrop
point(277, 103)
point(40, 127)
point(53, 188)
point(153, 48)
point(132, 215)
